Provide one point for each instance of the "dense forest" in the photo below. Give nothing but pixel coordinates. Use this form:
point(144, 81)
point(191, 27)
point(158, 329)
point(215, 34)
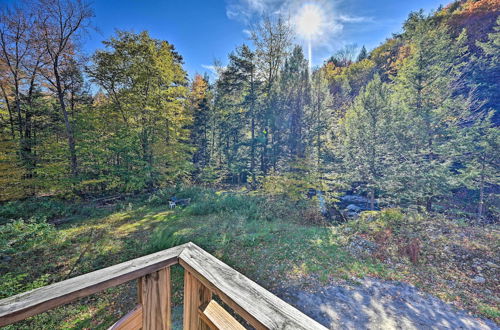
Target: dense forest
point(408, 123)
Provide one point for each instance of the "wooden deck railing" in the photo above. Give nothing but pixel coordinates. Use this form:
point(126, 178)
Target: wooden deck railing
point(204, 277)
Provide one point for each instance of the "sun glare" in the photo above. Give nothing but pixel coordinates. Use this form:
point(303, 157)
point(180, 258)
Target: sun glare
point(309, 21)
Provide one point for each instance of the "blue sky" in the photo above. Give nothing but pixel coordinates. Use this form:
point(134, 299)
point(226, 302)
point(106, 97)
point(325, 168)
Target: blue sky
point(206, 30)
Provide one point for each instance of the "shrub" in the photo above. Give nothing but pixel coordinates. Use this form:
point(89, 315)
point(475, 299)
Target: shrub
point(19, 235)
point(311, 215)
point(155, 200)
point(48, 208)
point(204, 207)
point(374, 221)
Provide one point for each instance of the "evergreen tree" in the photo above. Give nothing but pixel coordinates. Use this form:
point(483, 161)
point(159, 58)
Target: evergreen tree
point(363, 54)
point(367, 141)
point(428, 107)
point(200, 109)
point(292, 97)
point(486, 72)
point(479, 153)
point(319, 119)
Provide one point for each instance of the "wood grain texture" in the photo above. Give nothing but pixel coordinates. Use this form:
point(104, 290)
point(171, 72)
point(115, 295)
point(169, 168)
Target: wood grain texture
point(37, 301)
point(155, 297)
point(259, 307)
point(217, 317)
point(131, 321)
point(195, 295)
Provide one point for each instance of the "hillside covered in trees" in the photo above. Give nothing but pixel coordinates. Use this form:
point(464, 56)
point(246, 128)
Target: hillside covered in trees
point(375, 146)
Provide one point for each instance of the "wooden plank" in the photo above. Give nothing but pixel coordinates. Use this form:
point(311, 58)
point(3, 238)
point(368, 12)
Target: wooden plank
point(131, 321)
point(259, 307)
point(155, 297)
point(195, 295)
point(218, 318)
point(37, 301)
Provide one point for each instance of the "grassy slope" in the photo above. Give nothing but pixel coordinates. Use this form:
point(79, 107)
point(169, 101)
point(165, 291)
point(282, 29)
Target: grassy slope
point(265, 240)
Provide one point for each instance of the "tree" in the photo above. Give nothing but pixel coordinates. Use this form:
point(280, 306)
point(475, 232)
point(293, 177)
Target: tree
point(21, 60)
point(479, 153)
point(245, 61)
point(363, 54)
point(147, 89)
point(12, 176)
point(486, 70)
point(344, 57)
point(319, 119)
point(59, 25)
point(200, 107)
point(235, 111)
point(425, 96)
point(367, 141)
point(346, 82)
point(272, 40)
point(293, 96)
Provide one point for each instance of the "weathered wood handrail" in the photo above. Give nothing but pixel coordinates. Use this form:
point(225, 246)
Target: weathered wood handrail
point(204, 276)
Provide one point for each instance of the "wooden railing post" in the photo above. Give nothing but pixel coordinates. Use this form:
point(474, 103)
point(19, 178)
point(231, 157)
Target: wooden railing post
point(155, 296)
point(195, 295)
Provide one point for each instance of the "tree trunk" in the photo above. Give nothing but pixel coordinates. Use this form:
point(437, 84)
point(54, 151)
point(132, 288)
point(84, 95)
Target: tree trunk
point(252, 150)
point(18, 110)
point(252, 134)
point(263, 158)
point(11, 119)
point(69, 129)
point(428, 204)
point(480, 208)
point(372, 199)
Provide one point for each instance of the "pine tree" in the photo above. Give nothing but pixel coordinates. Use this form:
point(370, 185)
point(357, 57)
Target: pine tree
point(200, 109)
point(479, 153)
point(318, 119)
point(424, 95)
point(486, 72)
point(292, 99)
point(367, 138)
point(363, 54)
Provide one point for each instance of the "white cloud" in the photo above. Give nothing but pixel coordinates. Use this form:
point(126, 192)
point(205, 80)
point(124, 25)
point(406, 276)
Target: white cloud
point(257, 5)
point(247, 10)
point(354, 19)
